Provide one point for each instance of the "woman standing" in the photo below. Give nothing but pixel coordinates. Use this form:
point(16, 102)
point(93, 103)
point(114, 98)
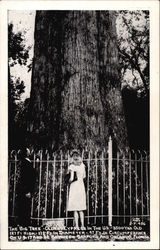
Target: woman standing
point(77, 194)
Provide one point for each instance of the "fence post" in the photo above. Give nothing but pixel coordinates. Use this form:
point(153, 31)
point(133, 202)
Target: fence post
point(34, 166)
point(110, 182)
point(39, 188)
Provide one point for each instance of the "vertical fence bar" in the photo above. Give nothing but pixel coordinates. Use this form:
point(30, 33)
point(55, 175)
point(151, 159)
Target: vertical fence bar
point(136, 179)
point(118, 187)
point(147, 186)
point(102, 186)
point(110, 182)
point(88, 205)
point(60, 186)
point(39, 194)
point(130, 185)
point(46, 193)
point(95, 209)
point(34, 158)
point(67, 192)
point(124, 193)
point(82, 154)
point(53, 182)
point(142, 186)
point(14, 187)
point(9, 175)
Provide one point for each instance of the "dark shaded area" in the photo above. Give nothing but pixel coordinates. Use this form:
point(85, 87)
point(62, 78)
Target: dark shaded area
point(17, 125)
point(26, 186)
point(137, 118)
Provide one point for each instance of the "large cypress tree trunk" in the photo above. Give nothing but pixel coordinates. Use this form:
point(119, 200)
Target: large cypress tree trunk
point(75, 95)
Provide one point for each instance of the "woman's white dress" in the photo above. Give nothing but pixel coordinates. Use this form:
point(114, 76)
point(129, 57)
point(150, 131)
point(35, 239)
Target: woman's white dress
point(77, 194)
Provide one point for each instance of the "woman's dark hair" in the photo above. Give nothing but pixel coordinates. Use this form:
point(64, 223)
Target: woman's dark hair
point(24, 153)
point(75, 152)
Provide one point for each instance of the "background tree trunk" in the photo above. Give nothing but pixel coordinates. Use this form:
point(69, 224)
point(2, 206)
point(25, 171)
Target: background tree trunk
point(75, 95)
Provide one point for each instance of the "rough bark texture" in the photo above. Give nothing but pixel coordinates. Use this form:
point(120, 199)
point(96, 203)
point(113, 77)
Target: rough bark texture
point(75, 95)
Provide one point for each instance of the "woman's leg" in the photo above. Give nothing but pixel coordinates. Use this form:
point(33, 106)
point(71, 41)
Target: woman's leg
point(81, 213)
point(76, 218)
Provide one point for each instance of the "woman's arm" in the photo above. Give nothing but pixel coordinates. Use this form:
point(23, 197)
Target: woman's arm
point(70, 170)
point(71, 176)
point(84, 172)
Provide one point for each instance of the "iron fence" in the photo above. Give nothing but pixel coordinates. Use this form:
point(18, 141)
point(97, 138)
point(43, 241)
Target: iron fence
point(117, 186)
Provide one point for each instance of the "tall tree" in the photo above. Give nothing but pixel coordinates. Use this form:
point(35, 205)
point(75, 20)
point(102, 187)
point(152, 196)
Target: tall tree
point(75, 95)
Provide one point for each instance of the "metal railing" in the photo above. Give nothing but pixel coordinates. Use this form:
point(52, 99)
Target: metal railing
point(117, 186)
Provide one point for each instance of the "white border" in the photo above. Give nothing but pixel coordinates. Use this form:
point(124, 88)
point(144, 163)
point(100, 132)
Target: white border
point(153, 7)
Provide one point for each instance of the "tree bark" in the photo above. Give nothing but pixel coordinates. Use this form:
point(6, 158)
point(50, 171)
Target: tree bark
point(75, 95)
